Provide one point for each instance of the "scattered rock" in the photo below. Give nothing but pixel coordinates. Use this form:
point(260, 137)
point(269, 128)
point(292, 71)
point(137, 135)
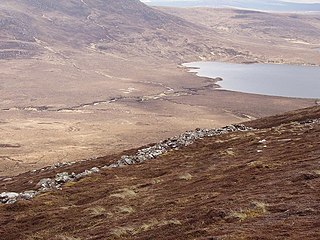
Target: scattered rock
point(95, 169)
point(45, 184)
point(63, 177)
point(27, 195)
point(142, 155)
point(8, 197)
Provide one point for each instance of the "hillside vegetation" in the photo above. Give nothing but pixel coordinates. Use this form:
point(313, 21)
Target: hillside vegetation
point(257, 184)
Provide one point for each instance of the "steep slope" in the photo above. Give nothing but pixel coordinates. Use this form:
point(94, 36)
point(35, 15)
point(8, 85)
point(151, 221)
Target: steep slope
point(258, 184)
point(128, 26)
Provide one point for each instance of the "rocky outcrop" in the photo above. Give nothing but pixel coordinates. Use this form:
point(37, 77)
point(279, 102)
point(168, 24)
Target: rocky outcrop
point(142, 155)
point(12, 197)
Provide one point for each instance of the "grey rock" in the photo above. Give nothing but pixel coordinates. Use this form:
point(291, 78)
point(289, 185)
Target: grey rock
point(62, 177)
point(127, 160)
point(114, 165)
point(9, 195)
point(27, 195)
point(95, 169)
point(83, 174)
point(141, 158)
point(11, 201)
point(142, 155)
point(6, 197)
point(46, 183)
point(88, 172)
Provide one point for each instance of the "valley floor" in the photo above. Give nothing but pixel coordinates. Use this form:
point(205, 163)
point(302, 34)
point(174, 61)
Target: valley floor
point(92, 104)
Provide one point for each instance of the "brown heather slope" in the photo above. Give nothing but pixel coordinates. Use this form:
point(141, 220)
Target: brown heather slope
point(224, 187)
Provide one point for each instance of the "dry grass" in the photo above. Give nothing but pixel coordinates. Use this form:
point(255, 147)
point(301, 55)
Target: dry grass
point(228, 152)
point(186, 176)
point(120, 232)
point(96, 211)
point(317, 172)
point(125, 209)
point(70, 184)
point(124, 193)
point(65, 237)
point(258, 209)
point(226, 198)
point(258, 164)
point(42, 235)
point(154, 223)
point(47, 235)
point(156, 181)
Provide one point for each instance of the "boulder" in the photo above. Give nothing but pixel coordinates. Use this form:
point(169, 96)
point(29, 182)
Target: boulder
point(8, 197)
point(27, 195)
point(95, 169)
point(62, 177)
point(46, 183)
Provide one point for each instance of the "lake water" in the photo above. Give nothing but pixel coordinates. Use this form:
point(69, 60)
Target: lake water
point(267, 79)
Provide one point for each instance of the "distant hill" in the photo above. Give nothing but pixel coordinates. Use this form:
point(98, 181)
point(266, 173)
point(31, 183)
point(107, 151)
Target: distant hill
point(272, 5)
point(29, 27)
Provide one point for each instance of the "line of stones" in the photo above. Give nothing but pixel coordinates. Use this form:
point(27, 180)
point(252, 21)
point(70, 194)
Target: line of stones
point(141, 155)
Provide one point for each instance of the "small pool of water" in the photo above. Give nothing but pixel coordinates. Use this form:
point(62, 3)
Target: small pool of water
point(267, 79)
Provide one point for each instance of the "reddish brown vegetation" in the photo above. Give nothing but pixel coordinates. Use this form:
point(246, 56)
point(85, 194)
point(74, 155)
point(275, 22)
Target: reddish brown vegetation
point(225, 187)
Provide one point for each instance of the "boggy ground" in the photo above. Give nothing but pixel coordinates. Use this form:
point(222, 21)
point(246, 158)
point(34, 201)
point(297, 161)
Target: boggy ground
point(260, 184)
point(52, 112)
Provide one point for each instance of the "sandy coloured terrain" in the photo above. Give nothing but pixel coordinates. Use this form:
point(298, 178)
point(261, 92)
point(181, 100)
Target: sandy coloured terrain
point(68, 96)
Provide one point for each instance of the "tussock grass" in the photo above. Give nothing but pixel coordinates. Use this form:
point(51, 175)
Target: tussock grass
point(70, 184)
point(257, 164)
point(258, 209)
point(121, 232)
point(186, 176)
point(156, 223)
point(125, 209)
point(156, 181)
point(46, 235)
point(96, 211)
point(124, 193)
point(229, 153)
point(42, 235)
point(65, 237)
point(317, 172)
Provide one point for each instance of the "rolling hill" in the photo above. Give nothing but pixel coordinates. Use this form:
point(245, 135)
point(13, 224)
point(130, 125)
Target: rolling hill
point(31, 27)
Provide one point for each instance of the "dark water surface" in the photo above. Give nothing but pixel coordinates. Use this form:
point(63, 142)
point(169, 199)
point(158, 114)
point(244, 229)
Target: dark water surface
point(267, 79)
